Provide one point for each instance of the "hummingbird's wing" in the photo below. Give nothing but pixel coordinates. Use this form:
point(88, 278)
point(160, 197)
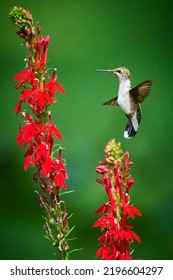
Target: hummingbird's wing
point(141, 91)
point(112, 102)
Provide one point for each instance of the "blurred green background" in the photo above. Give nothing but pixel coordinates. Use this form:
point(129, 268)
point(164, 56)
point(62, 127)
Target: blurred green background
point(86, 35)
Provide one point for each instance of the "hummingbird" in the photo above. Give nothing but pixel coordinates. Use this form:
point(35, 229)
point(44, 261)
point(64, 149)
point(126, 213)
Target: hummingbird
point(129, 99)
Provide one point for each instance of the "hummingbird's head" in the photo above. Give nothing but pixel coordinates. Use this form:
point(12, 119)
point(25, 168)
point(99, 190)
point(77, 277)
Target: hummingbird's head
point(122, 73)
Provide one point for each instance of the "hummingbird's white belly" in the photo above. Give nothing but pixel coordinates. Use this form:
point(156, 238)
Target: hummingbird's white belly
point(124, 103)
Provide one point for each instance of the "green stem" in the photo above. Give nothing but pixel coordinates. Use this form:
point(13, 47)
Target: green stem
point(118, 211)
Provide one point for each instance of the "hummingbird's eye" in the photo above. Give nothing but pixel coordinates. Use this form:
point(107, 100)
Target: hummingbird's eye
point(118, 71)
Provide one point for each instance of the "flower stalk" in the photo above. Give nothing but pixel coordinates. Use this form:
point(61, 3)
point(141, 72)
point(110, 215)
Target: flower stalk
point(115, 242)
point(37, 133)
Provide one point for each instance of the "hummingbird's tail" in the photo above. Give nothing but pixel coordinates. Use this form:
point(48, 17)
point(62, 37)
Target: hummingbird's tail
point(129, 130)
point(133, 123)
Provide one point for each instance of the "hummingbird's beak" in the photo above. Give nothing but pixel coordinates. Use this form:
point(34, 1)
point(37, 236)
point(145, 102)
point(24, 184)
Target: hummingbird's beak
point(103, 70)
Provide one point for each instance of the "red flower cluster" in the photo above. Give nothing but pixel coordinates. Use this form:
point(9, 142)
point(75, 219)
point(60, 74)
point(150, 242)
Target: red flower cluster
point(39, 91)
point(37, 133)
point(115, 242)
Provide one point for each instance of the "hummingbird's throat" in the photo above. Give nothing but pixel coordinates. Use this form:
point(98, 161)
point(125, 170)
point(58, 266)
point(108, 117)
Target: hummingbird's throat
point(124, 86)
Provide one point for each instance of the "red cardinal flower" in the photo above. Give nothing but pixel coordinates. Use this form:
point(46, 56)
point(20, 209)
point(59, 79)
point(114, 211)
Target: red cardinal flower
point(118, 235)
point(53, 85)
point(23, 77)
point(29, 133)
point(38, 134)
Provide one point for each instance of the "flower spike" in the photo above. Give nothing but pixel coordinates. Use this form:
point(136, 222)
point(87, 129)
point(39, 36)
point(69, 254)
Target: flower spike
point(117, 234)
point(38, 133)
